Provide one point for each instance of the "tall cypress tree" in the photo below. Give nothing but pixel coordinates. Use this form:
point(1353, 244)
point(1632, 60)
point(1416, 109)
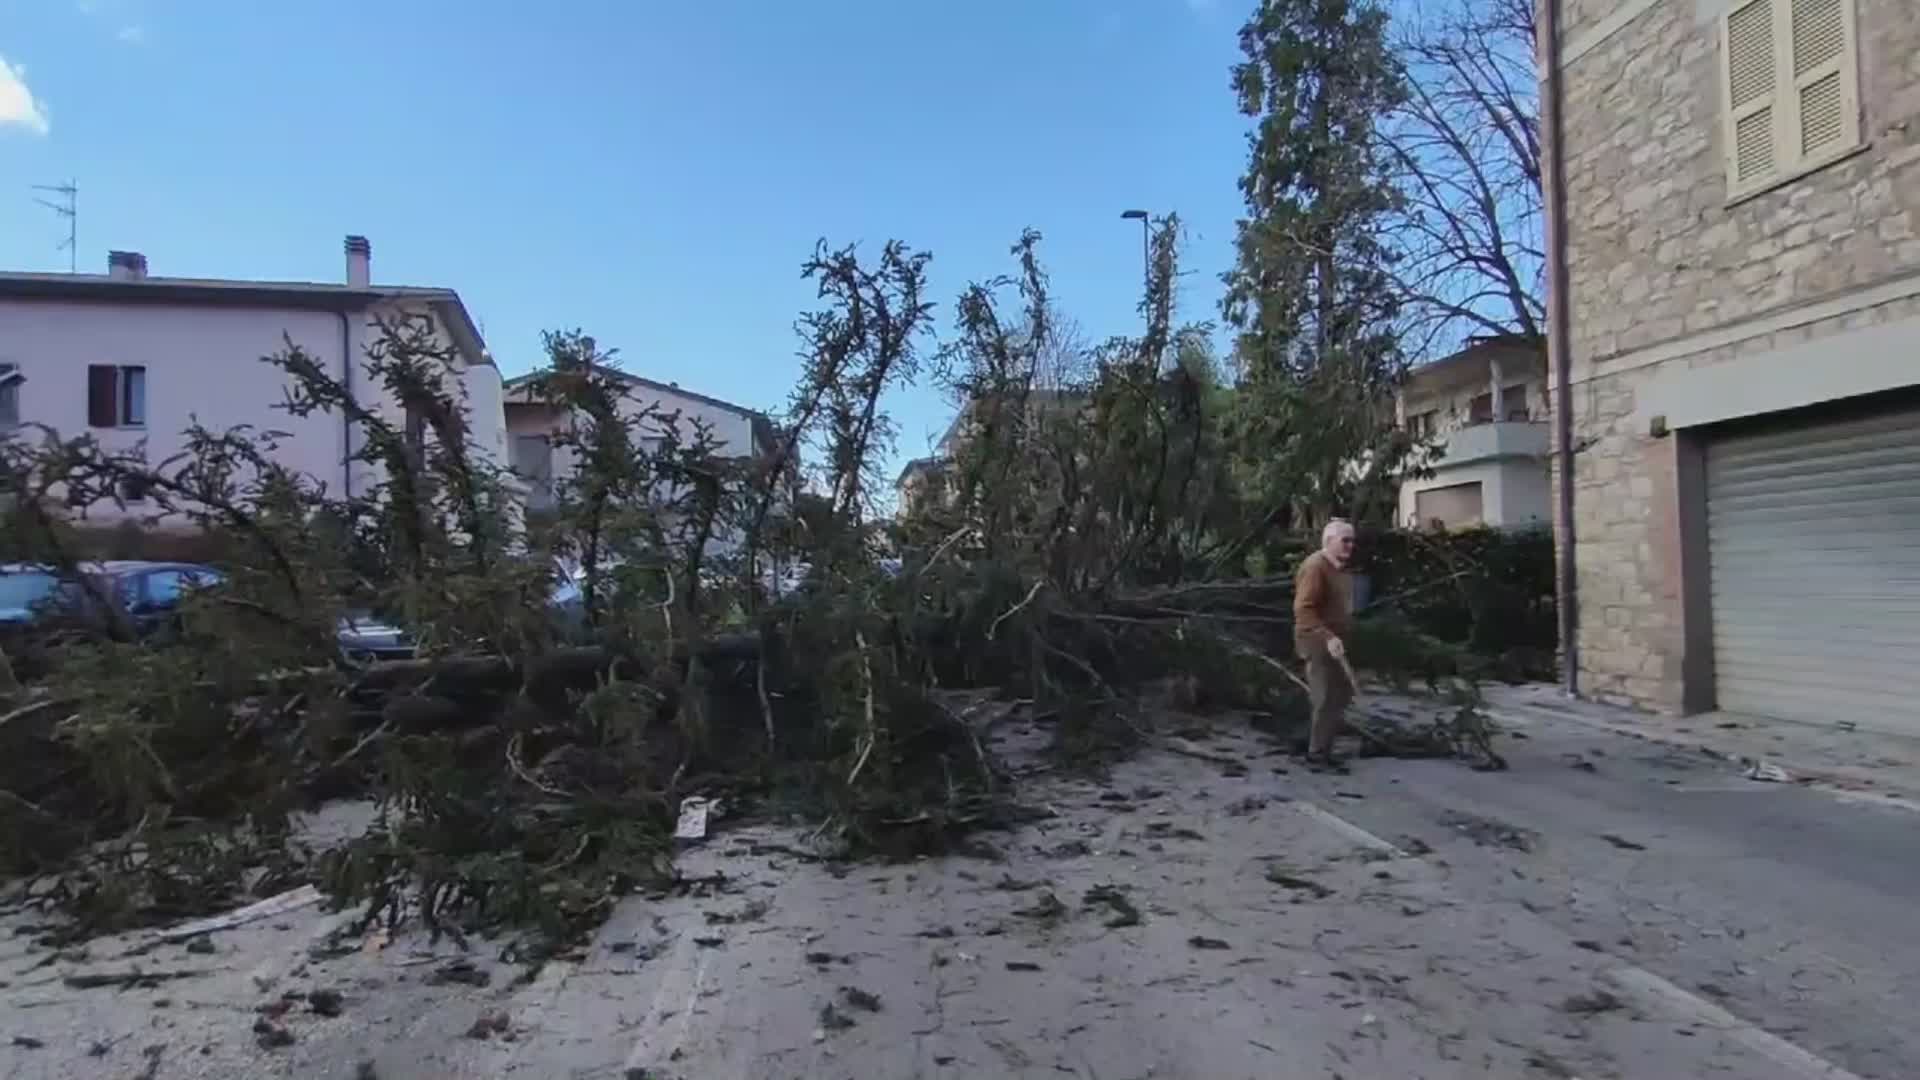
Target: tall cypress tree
point(1310, 293)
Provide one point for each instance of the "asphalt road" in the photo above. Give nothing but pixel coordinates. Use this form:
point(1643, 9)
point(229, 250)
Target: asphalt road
point(1604, 909)
point(1790, 907)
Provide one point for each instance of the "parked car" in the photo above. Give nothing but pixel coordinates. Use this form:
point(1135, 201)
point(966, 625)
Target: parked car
point(148, 594)
point(28, 594)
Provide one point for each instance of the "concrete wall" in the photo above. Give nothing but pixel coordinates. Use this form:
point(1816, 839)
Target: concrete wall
point(1513, 494)
point(204, 365)
point(730, 429)
point(1680, 296)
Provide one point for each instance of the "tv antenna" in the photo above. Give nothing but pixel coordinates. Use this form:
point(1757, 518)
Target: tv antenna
point(67, 205)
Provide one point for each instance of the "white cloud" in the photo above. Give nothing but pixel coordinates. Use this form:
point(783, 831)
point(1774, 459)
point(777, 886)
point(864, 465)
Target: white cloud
point(17, 105)
point(132, 35)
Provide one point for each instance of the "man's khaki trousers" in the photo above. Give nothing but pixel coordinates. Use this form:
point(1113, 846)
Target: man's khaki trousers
point(1331, 693)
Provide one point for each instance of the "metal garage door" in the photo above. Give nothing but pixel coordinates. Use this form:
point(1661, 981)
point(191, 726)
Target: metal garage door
point(1813, 535)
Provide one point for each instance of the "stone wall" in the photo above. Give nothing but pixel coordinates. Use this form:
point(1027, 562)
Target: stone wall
point(1655, 250)
point(1658, 256)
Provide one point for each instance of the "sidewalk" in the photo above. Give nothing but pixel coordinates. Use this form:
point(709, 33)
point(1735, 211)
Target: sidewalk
point(1856, 761)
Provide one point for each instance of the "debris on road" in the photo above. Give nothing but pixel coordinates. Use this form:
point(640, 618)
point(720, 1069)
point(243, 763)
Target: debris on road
point(489, 1024)
point(1281, 876)
point(832, 1019)
point(270, 1035)
point(124, 980)
point(1124, 913)
point(1591, 1004)
point(1487, 832)
point(462, 972)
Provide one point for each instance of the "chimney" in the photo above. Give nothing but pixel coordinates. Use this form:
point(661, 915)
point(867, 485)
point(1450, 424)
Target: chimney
point(359, 262)
point(126, 266)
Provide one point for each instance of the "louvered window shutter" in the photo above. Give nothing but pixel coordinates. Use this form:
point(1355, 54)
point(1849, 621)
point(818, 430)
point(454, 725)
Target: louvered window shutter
point(1790, 88)
point(1751, 90)
point(1825, 100)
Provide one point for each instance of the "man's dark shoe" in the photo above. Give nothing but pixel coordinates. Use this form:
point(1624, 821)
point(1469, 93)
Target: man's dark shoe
point(1326, 762)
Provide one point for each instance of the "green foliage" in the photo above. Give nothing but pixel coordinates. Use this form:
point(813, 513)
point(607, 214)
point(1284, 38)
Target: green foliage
point(1311, 293)
point(1486, 592)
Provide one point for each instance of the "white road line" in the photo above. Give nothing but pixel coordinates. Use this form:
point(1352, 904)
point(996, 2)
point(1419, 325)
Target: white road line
point(1656, 994)
point(1348, 829)
point(1651, 992)
point(667, 1020)
point(530, 1007)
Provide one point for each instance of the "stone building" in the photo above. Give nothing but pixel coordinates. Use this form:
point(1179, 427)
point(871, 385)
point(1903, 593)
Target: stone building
point(1743, 261)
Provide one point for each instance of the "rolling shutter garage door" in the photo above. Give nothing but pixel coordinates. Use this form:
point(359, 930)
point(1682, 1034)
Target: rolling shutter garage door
point(1813, 536)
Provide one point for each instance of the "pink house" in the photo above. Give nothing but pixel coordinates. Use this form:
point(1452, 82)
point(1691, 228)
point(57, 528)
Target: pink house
point(135, 359)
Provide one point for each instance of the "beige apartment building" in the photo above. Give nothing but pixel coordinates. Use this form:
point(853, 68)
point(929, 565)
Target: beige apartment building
point(1484, 412)
point(1742, 234)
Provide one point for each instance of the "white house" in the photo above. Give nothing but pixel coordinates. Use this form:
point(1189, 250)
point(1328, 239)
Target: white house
point(531, 424)
point(1486, 408)
point(135, 359)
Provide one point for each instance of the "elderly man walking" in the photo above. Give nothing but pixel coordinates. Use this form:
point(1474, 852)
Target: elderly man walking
point(1322, 617)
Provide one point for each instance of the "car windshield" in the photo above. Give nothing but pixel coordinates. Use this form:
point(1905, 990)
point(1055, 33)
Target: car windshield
point(26, 589)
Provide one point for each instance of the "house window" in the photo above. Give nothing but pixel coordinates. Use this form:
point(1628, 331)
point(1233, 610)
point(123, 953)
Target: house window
point(532, 459)
point(10, 380)
point(1480, 411)
point(1514, 398)
point(1789, 89)
point(1452, 507)
point(116, 396)
point(1420, 425)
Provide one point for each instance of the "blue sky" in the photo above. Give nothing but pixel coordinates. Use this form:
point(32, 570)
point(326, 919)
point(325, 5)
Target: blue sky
point(651, 172)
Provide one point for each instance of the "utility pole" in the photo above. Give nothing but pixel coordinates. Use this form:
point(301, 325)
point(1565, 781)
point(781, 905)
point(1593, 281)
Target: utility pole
point(67, 206)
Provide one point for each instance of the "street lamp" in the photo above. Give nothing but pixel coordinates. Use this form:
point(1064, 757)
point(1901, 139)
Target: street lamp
point(1146, 242)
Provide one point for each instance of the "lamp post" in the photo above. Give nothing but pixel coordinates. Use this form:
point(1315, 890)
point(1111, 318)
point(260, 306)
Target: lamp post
point(1146, 243)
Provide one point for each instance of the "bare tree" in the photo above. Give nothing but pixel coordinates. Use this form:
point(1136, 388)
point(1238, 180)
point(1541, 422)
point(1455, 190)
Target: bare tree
point(1465, 150)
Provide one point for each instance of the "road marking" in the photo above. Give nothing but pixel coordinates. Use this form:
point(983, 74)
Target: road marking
point(1656, 994)
point(672, 1009)
point(1651, 992)
point(1348, 829)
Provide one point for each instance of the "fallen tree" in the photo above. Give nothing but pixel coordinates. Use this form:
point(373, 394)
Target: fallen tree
point(1090, 561)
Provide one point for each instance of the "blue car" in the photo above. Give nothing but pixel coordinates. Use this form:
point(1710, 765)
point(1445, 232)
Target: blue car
point(148, 594)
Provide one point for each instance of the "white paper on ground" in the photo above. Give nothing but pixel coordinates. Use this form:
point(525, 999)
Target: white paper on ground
point(694, 811)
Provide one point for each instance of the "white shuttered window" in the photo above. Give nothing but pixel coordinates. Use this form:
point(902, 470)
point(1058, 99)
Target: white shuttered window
point(1790, 89)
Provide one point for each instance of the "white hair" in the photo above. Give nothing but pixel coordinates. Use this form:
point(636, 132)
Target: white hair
point(1336, 527)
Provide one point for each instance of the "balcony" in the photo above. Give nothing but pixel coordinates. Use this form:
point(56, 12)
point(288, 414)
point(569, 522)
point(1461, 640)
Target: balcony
point(1493, 442)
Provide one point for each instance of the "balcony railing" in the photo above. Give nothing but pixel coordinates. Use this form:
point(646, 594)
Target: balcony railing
point(1499, 439)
